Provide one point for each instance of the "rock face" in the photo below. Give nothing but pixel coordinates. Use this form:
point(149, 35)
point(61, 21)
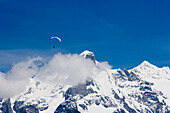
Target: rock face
point(80, 89)
point(69, 106)
point(6, 106)
point(25, 109)
point(110, 91)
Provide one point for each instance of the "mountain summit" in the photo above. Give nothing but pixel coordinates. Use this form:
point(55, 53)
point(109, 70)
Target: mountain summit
point(146, 69)
point(142, 89)
point(146, 64)
point(88, 55)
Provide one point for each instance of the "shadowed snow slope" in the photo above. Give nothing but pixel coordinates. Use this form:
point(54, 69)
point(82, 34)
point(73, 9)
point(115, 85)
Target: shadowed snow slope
point(102, 90)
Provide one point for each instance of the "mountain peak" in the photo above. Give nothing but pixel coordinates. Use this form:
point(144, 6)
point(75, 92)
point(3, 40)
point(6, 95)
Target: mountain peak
point(146, 63)
point(86, 52)
point(88, 55)
point(147, 69)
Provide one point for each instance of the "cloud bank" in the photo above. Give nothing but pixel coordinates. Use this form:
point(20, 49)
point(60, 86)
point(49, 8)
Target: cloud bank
point(15, 80)
point(67, 69)
point(62, 68)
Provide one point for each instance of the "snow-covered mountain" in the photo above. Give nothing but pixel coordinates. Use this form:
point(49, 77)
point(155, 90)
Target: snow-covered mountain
point(143, 89)
point(148, 70)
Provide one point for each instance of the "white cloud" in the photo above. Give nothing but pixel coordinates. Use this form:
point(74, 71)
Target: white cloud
point(62, 68)
point(16, 79)
point(68, 69)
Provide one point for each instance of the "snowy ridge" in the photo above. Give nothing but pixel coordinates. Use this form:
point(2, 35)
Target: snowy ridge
point(45, 96)
point(138, 90)
point(160, 77)
point(146, 69)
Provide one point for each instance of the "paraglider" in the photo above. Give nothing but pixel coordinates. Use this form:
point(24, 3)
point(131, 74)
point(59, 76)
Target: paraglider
point(55, 38)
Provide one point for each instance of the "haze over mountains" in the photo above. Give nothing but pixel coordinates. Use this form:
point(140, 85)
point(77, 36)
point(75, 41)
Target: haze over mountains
point(73, 83)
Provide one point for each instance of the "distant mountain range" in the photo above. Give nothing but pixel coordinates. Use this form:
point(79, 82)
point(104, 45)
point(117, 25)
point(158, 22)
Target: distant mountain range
point(143, 89)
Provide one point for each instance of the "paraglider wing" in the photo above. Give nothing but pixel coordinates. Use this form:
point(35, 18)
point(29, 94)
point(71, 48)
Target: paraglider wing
point(56, 38)
point(54, 41)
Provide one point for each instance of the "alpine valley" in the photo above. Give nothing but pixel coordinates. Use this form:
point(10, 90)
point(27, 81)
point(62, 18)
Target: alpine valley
point(143, 89)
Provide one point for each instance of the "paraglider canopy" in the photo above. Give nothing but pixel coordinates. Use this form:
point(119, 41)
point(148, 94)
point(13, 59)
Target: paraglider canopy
point(56, 38)
point(54, 41)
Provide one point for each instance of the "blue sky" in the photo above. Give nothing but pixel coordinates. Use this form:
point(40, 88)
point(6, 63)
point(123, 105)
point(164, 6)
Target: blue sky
point(122, 32)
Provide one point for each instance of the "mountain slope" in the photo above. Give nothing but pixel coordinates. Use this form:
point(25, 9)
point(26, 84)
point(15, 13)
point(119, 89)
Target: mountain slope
point(160, 77)
point(106, 91)
point(148, 70)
